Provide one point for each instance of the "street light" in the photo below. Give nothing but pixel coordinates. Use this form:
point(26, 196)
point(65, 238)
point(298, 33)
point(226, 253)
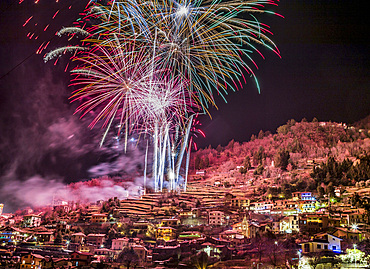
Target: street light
point(354, 246)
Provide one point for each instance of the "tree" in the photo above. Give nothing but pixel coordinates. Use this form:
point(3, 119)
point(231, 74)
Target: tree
point(261, 135)
point(259, 170)
point(259, 156)
point(281, 158)
point(330, 190)
point(128, 257)
point(320, 191)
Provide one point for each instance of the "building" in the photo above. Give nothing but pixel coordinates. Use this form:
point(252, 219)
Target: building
point(263, 207)
point(31, 261)
point(216, 218)
point(334, 243)
point(170, 223)
point(141, 251)
point(80, 259)
point(119, 243)
point(98, 218)
point(352, 236)
point(166, 233)
point(240, 202)
point(12, 234)
point(313, 223)
point(307, 206)
point(78, 238)
point(305, 196)
point(97, 240)
point(289, 224)
point(1, 208)
point(32, 220)
point(316, 245)
point(44, 236)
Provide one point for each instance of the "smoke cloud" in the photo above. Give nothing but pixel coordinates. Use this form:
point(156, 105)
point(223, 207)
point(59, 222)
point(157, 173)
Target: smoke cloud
point(45, 146)
point(38, 192)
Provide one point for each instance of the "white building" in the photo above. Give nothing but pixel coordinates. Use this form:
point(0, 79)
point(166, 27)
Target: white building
point(32, 221)
point(289, 224)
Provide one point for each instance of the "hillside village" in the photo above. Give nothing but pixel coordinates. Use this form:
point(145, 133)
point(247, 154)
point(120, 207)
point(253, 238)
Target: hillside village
point(299, 198)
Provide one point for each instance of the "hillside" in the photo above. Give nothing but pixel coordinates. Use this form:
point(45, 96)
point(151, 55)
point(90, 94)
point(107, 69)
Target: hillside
point(299, 156)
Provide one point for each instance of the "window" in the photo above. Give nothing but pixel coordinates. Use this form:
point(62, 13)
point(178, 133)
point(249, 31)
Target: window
point(318, 246)
point(334, 247)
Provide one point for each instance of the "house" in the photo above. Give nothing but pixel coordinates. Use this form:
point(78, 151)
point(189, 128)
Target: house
point(98, 218)
point(313, 223)
point(304, 196)
point(78, 238)
point(143, 227)
point(141, 251)
point(333, 241)
point(352, 236)
point(166, 233)
point(263, 207)
point(31, 261)
point(104, 254)
point(289, 224)
point(31, 220)
point(50, 262)
point(80, 259)
point(121, 243)
point(233, 237)
point(216, 218)
point(95, 239)
point(239, 202)
point(215, 251)
point(306, 206)
point(315, 245)
point(12, 234)
point(44, 236)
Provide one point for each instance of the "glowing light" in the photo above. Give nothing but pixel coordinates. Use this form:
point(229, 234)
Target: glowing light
point(182, 11)
point(150, 66)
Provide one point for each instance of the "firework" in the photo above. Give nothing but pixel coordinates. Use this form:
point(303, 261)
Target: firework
point(207, 42)
point(150, 65)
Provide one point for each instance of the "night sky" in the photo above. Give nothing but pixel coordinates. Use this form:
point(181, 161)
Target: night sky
point(323, 73)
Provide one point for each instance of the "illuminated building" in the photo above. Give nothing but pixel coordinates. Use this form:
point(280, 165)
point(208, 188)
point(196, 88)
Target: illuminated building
point(31, 261)
point(32, 220)
point(289, 224)
point(45, 236)
point(303, 196)
point(12, 234)
point(166, 233)
point(170, 223)
point(1, 208)
point(351, 235)
point(333, 241)
point(313, 223)
point(316, 245)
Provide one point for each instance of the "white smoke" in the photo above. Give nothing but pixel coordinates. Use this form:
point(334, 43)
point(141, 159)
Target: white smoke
point(37, 191)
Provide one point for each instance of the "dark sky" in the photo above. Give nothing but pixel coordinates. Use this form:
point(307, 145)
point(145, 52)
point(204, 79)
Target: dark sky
point(323, 73)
